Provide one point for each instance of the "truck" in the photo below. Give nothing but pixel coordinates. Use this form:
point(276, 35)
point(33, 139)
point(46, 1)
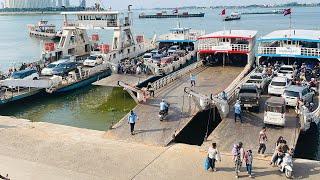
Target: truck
point(249, 96)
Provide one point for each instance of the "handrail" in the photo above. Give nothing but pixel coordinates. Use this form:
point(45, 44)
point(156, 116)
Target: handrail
point(307, 117)
point(175, 75)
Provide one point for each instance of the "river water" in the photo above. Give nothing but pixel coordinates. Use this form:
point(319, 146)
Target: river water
point(99, 107)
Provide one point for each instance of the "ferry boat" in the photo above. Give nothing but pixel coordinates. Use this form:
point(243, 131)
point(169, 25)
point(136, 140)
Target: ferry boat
point(44, 30)
point(174, 15)
point(233, 16)
point(228, 47)
point(179, 43)
point(289, 46)
point(8, 96)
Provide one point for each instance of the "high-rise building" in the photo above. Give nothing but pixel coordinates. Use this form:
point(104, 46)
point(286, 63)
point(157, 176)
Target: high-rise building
point(82, 3)
point(28, 4)
point(60, 3)
point(67, 3)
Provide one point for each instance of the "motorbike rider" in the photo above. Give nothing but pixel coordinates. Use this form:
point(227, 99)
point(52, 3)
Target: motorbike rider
point(164, 107)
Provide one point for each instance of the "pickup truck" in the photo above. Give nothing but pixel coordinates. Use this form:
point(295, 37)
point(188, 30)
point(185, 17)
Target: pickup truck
point(249, 96)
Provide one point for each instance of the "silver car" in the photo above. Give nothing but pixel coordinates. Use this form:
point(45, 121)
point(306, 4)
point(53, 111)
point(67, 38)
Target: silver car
point(293, 92)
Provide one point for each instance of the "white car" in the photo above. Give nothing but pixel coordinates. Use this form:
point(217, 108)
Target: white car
point(93, 60)
point(287, 71)
point(259, 79)
point(27, 74)
point(278, 85)
point(47, 71)
point(147, 57)
point(173, 49)
point(292, 93)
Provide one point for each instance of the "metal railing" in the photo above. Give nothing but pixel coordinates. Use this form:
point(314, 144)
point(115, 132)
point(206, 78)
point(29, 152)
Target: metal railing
point(315, 52)
point(175, 75)
point(233, 47)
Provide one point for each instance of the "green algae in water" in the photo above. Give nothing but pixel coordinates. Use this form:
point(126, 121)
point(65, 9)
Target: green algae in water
point(118, 101)
point(93, 107)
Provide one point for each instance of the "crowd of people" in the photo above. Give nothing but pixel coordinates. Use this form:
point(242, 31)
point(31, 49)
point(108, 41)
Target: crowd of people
point(133, 66)
point(23, 66)
point(241, 156)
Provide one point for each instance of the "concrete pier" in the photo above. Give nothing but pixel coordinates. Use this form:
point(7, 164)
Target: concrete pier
point(150, 130)
point(37, 151)
point(228, 132)
point(132, 79)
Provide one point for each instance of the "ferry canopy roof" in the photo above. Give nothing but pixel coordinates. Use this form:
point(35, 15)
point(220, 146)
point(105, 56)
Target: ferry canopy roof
point(89, 12)
point(245, 34)
point(294, 34)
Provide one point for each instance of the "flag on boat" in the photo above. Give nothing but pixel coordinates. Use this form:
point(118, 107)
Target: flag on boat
point(223, 12)
point(175, 11)
point(287, 12)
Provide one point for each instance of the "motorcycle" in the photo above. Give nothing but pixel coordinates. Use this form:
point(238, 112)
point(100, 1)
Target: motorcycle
point(286, 165)
point(163, 113)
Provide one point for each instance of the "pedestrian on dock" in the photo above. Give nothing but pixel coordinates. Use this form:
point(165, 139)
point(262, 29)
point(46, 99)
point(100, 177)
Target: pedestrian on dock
point(213, 156)
point(236, 158)
point(262, 140)
point(193, 80)
point(150, 89)
point(248, 157)
point(237, 111)
point(132, 121)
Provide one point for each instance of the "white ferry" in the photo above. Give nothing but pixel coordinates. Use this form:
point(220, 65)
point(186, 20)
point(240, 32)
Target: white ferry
point(44, 30)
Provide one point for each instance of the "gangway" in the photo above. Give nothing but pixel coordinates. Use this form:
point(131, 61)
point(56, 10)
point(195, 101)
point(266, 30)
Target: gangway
point(141, 94)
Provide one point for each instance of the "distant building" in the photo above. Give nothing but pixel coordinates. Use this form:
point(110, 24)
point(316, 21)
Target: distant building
point(19, 4)
point(60, 3)
point(82, 3)
point(67, 3)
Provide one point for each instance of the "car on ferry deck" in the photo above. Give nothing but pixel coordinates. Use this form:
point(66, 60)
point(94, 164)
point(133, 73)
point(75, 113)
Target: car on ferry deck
point(64, 68)
point(27, 74)
point(293, 92)
point(93, 60)
point(260, 80)
point(47, 71)
point(147, 57)
point(287, 71)
point(275, 111)
point(278, 85)
point(173, 49)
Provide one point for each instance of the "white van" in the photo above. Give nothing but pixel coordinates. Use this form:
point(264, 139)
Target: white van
point(275, 111)
point(278, 85)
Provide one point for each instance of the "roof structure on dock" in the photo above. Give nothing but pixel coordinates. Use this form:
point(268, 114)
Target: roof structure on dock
point(247, 34)
point(293, 34)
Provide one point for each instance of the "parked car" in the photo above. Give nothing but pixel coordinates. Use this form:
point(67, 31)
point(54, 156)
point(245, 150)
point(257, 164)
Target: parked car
point(27, 74)
point(173, 49)
point(275, 111)
point(249, 96)
point(93, 60)
point(147, 57)
point(47, 71)
point(287, 71)
point(278, 85)
point(260, 80)
point(64, 68)
point(293, 92)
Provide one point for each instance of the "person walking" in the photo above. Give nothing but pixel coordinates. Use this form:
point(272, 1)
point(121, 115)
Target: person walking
point(236, 159)
point(237, 111)
point(132, 121)
point(248, 157)
point(213, 156)
point(193, 80)
point(262, 140)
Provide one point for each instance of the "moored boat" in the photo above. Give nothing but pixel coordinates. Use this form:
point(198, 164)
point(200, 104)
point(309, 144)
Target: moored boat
point(44, 30)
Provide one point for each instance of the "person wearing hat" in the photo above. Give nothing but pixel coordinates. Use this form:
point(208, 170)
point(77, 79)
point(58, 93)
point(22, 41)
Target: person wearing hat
point(237, 111)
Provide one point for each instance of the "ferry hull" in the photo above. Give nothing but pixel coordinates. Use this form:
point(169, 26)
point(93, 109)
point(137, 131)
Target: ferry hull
point(83, 83)
point(172, 16)
point(20, 97)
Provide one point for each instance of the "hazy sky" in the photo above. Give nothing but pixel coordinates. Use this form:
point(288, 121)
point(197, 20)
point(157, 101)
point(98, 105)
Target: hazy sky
point(122, 4)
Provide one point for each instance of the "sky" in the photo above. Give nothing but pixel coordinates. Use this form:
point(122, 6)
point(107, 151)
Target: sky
point(122, 4)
